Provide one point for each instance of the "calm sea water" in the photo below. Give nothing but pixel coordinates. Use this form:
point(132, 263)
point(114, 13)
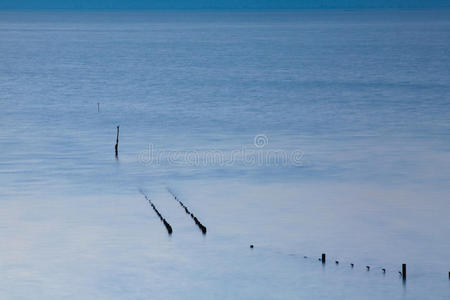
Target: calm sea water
point(355, 105)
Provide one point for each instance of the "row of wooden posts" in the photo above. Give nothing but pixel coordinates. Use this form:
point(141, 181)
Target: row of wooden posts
point(402, 273)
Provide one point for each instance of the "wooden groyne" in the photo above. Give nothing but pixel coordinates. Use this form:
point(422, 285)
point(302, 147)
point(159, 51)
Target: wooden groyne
point(168, 227)
point(402, 273)
point(197, 222)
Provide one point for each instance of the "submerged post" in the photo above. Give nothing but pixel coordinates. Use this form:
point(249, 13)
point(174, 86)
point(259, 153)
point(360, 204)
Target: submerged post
point(404, 271)
point(98, 106)
point(323, 258)
point(117, 142)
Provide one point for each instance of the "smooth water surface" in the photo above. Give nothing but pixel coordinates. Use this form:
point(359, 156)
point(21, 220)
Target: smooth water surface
point(362, 98)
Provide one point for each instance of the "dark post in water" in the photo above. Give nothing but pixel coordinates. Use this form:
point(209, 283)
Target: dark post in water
point(404, 271)
point(117, 142)
point(323, 258)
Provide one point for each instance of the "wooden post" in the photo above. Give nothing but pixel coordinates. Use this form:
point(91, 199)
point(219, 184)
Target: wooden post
point(98, 106)
point(117, 142)
point(323, 258)
point(404, 271)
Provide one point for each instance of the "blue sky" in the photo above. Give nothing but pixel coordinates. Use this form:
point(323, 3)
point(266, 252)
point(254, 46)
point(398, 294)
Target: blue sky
point(180, 4)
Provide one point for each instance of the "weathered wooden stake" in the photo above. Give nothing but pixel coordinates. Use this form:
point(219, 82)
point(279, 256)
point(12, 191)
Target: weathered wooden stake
point(323, 258)
point(404, 271)
point(117, 142)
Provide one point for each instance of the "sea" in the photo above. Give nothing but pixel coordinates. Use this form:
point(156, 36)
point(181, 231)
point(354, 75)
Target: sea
point(298, 132)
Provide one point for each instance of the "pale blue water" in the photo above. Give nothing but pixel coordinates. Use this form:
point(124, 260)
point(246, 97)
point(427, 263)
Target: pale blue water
point(363, 96)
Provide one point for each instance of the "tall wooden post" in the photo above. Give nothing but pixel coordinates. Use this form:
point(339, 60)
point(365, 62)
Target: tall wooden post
point(117, 142)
